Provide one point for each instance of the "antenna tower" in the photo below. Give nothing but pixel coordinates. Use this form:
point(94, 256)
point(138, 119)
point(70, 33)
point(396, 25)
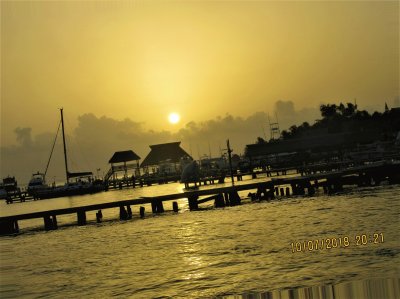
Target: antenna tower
point(275, 133)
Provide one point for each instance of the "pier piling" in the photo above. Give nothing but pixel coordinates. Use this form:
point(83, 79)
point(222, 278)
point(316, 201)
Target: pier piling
point(175, 207)
point(157, 206)
point(54, 220)
point(81, 217)
point(99, 216)
point(129, 211)
point(123, 215)
point(234, 198)
point(193, 204)
point(219, 201)
point(142, 210)
point(47, 222)
point(8, 227)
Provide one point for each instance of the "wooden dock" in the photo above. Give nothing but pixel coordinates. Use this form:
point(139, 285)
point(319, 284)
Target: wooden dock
point(331, 182)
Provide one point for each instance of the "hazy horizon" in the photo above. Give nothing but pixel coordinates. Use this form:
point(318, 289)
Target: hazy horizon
point(221, 66)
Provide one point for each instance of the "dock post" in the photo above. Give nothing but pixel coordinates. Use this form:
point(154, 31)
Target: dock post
point(219, 201)
point(227, 199)
point(81, 217)
point(129, 211)
point(234, 198)
point(193, 204)
point(310, 189)
point(123, 215)
point(153, 206)
point(54, 220)
point(99, 216)
point(142, 212)
point(48, 223)
point(262, 192)
point(157, 206)
point(175, 207)
point(160, 206)
point(271, 193)
point(294, 189)
point(325, 189)
point(16, 226)
point(9, 227)
point(301, 189)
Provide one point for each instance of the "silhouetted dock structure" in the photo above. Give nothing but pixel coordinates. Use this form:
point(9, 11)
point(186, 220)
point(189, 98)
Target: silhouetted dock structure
point(331, 182)
point(119, 162)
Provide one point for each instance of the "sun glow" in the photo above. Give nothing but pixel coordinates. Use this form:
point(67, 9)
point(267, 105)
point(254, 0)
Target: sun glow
point(174, 118)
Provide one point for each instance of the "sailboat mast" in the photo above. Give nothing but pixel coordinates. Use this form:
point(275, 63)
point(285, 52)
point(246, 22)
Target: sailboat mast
point(65, 147)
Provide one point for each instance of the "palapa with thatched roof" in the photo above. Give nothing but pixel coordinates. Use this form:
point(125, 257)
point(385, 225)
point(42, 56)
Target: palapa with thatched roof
point(122, 157)
point(166, 152)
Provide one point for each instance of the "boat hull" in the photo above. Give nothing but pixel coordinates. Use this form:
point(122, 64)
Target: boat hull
point(54, 192)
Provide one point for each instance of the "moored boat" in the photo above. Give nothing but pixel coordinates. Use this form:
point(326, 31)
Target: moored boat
point(37, 183)
point(78, 183)
point(3, 192)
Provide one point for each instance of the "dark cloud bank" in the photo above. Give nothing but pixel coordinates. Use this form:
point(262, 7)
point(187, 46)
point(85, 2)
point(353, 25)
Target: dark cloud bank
point(95, 139)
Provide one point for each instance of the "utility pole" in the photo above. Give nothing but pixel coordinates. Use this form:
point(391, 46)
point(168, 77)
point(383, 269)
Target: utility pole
point(230, 160)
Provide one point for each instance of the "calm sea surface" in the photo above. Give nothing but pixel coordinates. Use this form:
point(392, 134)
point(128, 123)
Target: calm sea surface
point(232, 252)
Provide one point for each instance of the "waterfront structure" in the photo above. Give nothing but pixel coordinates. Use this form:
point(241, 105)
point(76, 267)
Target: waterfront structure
point(119, 164)
point(331, 182)
point(356, 137)
point(166, 158)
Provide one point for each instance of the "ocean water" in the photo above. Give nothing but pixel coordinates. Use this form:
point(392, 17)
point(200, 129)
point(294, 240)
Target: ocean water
point(235, 252)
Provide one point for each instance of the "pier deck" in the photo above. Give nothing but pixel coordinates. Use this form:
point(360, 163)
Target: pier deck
point(331, 182)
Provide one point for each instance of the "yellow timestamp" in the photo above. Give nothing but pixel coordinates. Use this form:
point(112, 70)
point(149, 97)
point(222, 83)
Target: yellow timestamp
point(337, 242)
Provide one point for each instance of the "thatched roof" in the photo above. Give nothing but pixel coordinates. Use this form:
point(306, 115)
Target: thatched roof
point(171, 152)
point(123, 156)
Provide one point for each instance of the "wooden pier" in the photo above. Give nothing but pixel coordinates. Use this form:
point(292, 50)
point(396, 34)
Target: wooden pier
point(331, 182)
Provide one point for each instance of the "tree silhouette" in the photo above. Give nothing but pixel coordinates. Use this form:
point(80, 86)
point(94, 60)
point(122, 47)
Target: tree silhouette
point(328, 111)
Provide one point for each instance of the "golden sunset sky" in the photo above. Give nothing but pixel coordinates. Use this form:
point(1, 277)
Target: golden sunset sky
point(144, 59)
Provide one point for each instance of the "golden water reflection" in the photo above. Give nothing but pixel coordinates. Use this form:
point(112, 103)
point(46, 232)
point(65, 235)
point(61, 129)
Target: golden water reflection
point(189, 250)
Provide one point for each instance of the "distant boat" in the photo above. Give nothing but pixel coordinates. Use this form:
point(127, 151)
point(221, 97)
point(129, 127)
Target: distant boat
point(10, 185)
point(37, 183)
point(3, 192)
point(84, 182)
point(9, 188)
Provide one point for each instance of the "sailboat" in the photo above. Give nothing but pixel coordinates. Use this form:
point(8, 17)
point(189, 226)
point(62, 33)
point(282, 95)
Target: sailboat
point(78, 183)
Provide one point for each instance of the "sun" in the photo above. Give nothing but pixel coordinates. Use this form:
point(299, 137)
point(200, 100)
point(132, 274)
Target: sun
point(174, 118)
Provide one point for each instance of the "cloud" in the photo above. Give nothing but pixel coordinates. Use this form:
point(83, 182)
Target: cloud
point(286, 114)
point(24, 136)
point(95, 139)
